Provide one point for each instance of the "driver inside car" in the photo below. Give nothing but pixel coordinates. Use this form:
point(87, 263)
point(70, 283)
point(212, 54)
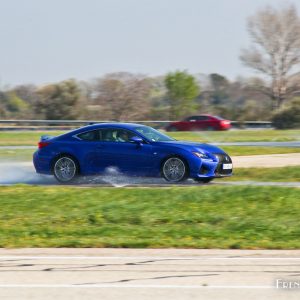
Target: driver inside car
point(122, 136)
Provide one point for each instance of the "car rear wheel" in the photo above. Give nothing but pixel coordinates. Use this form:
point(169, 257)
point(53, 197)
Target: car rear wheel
point(174, 169)
point(65, 169)
point(172, 129)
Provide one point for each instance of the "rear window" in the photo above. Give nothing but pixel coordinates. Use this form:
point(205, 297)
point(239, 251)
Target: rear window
point(219, 118)
point(89, 136)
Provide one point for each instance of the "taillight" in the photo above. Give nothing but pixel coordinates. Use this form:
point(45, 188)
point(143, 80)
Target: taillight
point(225, 122)
point(42, 144)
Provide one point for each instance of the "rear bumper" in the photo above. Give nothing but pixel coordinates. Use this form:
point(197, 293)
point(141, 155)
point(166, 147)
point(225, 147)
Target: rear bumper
point(42, 163)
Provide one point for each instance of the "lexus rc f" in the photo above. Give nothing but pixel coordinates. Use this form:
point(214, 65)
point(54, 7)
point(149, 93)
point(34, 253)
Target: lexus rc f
point(133, 149)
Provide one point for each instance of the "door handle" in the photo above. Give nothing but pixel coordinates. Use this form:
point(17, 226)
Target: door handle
point(100, 147)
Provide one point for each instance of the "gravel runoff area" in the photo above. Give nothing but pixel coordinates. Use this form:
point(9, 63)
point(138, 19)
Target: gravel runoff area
point(113, 274)
point(23, 172)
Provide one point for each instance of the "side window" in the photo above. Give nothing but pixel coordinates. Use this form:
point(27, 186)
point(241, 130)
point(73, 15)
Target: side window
point(116, 135)
point(193, 118)
point(89, 136)
point(124, 136)
point(202, 118)
point(107, 135)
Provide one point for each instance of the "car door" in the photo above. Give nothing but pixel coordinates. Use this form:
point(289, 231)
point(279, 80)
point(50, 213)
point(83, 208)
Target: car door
point(191, 123)
point(115, 150)
point(201, 122)
point(211, 124)
point(87, 151)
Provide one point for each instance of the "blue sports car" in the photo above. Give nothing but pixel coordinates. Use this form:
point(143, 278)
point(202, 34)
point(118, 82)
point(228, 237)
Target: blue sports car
point(133, 149)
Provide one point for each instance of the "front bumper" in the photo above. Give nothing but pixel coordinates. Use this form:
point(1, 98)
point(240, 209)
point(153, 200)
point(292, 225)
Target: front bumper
point(214, 168)
point(223, 159)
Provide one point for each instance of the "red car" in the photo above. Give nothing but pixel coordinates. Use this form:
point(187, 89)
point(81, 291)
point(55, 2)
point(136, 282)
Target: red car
point(202, 122)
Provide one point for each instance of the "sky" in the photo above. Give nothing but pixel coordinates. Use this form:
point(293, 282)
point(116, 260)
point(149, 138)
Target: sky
point(43, 41)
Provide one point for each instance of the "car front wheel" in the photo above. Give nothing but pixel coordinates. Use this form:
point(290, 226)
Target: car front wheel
point(174, 169)
point(210, 128)
point(65, 169)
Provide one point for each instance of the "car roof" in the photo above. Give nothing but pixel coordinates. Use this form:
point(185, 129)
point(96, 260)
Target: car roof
point(116, 124)
point(104, 125)
point(202, 115)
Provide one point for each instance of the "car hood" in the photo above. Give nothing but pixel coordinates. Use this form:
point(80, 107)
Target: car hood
point(192, 146)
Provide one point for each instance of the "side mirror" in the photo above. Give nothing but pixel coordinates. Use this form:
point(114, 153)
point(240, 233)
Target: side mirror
point(136, 140)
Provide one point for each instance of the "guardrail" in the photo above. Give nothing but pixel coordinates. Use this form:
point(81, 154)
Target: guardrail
point(68, 124)
point(74, 122)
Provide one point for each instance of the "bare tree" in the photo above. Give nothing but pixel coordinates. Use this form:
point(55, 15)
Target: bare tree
point(59, 101)
point(276, 50)
point(123, 96)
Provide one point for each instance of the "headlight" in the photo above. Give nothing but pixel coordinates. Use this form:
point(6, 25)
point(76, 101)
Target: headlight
point(201, 155)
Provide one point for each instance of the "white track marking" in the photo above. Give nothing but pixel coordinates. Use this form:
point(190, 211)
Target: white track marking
point(139, 286)
point(142, 257)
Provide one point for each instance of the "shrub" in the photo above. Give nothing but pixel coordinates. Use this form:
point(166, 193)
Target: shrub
point(288, 116)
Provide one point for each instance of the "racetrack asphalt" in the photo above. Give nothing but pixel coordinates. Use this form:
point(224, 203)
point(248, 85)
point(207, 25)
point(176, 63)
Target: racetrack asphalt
point(128, 274)
point(293, 144)
point(23, 172)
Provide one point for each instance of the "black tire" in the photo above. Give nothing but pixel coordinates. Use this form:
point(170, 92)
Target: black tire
point(210, 128)
point(172, 129)
point(65, 169)
point(203, 180)
point(174, 169)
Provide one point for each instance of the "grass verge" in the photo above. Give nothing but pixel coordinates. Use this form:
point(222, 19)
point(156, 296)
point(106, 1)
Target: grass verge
point(23, 138)
point(238, 136)
point(16, 154)
point(29, 138)
point(242, 217)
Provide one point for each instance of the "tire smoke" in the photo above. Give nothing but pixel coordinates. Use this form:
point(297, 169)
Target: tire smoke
point(21, 172)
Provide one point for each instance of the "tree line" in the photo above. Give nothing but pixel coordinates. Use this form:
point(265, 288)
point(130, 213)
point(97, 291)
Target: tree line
point(274, 54)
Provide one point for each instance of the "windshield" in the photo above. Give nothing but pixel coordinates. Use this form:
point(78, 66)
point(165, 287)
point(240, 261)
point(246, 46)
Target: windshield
point(153, 135)
point(219, 118)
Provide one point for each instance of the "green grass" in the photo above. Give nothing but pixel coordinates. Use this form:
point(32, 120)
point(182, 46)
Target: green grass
point(283, 174)
point(23, 138)
point(29, 138)
point(238, 136)
point(187, 217)
point(16, 154)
